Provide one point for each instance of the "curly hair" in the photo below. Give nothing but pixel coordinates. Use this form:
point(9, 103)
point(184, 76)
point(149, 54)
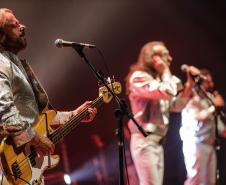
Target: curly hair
point(3, 22)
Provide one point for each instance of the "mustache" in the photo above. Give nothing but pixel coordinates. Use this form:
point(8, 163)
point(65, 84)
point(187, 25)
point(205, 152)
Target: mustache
point(22, 34)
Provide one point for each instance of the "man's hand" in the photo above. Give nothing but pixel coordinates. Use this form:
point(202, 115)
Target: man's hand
point(91, 111)
point(160, 65)
point(190, 80)
point(218, 99)
point(43, 145)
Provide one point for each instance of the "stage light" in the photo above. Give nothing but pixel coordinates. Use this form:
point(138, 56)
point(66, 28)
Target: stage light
point(67, 179)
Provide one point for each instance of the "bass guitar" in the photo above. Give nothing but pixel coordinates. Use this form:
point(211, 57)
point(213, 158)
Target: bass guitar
point(22, 165)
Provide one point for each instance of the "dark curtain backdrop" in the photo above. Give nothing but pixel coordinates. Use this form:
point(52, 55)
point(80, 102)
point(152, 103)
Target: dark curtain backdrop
point(194, 31)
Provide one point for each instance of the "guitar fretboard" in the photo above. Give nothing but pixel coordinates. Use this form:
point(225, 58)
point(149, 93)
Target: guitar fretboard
point(73, 122)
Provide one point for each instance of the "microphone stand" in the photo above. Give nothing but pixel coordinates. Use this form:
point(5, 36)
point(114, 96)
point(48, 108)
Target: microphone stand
point(119, 113)
point(218, 113)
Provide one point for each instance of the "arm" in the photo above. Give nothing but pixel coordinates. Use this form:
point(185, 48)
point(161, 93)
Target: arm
point(181, 100)
point(217, 101)
point(11, 121)
point(12, 125)
point(145, 86)
point(63, 116)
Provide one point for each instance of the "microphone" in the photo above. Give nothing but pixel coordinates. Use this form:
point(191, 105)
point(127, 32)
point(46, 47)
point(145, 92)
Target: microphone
point(195, 72)
point(60, 43)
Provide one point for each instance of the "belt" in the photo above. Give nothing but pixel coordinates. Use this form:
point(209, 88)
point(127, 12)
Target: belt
point(156, 138)
point(151, 128)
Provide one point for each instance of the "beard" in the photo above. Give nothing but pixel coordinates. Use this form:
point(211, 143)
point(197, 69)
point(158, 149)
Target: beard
point(14, 44)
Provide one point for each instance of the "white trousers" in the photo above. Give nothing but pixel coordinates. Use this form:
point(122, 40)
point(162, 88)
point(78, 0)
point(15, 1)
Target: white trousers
point(200, 161)
point(148, 159)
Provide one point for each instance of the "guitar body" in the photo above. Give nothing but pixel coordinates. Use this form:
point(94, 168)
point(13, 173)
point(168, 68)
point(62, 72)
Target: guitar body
point(21, 164)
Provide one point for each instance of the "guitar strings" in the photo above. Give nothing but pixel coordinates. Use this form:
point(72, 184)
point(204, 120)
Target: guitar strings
point(68, 127)
point(55, 137)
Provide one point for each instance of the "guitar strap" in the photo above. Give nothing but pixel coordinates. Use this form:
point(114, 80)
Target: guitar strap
point(39, 91)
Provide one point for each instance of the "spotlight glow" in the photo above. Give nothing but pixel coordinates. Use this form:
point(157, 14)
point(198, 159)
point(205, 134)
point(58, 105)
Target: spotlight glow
point(67, 179)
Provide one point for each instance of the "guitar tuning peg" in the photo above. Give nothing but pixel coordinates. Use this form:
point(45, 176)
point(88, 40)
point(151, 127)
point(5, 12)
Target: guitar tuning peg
point(109, 80)
point(113, 78)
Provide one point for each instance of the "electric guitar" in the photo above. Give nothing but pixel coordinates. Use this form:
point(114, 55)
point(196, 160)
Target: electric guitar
point(22, 165)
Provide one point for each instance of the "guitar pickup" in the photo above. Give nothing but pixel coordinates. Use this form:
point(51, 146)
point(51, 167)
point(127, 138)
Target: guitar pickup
point(33, 156)
point(16, 170)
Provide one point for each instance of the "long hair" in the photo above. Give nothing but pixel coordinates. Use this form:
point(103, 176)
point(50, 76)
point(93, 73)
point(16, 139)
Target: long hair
point(142, 63)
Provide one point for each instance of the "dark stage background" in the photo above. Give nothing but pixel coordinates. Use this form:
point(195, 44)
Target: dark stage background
point(194, 31)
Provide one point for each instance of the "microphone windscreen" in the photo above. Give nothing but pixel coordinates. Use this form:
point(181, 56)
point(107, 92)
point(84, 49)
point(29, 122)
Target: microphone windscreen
point(58, 43)
point(184, 67)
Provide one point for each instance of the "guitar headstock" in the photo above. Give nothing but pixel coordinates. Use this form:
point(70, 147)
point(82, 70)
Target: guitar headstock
point(114, 86)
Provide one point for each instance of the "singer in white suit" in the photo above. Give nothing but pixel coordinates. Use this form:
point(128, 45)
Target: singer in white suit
point(153, 93)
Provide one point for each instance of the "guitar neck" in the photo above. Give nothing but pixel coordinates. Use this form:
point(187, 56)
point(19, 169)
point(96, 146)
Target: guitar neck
point(61, 132)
